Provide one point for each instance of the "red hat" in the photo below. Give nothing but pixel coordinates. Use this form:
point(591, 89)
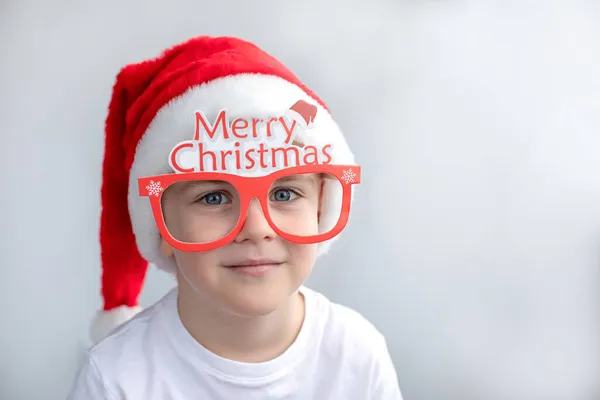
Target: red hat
point(149, 114)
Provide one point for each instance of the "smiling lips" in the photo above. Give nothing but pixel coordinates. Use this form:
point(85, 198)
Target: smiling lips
point(254, 267)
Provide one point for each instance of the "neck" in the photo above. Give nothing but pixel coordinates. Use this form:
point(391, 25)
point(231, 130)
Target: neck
point(241, 338)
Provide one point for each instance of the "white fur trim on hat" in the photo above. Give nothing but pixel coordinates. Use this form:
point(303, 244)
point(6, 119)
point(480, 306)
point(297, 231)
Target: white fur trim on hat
point(245, 95)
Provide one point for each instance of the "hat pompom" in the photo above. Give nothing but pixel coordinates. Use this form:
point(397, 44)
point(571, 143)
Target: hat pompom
point(106, 321)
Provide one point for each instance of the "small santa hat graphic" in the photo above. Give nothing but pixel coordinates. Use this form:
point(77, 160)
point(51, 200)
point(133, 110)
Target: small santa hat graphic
point(303, 113)
point(151, 110)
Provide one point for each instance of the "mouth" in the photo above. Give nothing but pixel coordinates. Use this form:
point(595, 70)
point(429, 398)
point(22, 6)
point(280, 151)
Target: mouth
point(258, 267)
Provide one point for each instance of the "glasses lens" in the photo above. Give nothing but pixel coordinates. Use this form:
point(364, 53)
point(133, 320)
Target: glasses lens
point(296, 203)
point(200, 211)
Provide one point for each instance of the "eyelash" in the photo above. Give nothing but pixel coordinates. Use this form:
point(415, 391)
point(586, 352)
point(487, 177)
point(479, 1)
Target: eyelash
point(229, 197)
point(204, 196)
point(295, 192)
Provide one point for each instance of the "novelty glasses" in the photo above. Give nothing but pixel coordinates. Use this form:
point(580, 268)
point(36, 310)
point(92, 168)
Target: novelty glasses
point(201, 211)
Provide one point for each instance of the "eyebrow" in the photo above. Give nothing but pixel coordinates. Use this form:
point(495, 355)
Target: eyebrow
point(186, 185)
point(300, 177)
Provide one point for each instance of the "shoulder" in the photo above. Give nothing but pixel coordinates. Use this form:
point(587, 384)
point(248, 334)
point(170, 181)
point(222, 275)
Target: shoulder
point(356, 346)
point(129, 340)
point(342, 321)
point(123, 355)
point(89, 383)
point(346, 331)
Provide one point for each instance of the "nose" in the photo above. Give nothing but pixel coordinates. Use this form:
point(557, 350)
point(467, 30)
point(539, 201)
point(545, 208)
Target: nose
point(256, 227)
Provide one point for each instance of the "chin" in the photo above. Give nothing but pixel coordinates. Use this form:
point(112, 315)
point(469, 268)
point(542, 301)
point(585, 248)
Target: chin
point(256, 301)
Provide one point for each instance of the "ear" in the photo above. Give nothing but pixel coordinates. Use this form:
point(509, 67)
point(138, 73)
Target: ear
point(320, 199)
point(165, 248)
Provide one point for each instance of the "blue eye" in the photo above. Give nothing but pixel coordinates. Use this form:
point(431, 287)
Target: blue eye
point(282, 195)
point(214, 199)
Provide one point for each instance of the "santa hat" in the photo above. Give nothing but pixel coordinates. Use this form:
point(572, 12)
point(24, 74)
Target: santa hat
point(149, 113)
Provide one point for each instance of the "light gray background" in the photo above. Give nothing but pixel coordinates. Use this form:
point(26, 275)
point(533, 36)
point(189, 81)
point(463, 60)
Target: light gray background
point(474, 244)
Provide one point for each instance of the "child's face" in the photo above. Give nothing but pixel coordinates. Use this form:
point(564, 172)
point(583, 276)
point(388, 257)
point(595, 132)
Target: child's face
point(201, 212)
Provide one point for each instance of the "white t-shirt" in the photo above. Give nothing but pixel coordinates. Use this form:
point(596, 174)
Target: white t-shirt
point(337, 355)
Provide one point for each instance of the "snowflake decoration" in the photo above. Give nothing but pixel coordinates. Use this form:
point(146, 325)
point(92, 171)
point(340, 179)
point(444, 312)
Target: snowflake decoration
point(154, 188)
point(348, 176)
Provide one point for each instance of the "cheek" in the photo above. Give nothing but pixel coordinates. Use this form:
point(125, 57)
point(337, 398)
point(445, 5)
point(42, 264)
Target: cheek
point(197, 267)
point(301, 218)
point(307, 223)
point(302, 258)
point(186, 224)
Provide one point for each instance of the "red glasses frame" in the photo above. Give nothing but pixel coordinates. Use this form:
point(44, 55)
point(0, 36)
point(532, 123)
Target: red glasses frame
point(249, 188)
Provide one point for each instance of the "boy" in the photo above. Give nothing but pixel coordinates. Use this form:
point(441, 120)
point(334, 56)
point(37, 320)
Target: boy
point(224, 169)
